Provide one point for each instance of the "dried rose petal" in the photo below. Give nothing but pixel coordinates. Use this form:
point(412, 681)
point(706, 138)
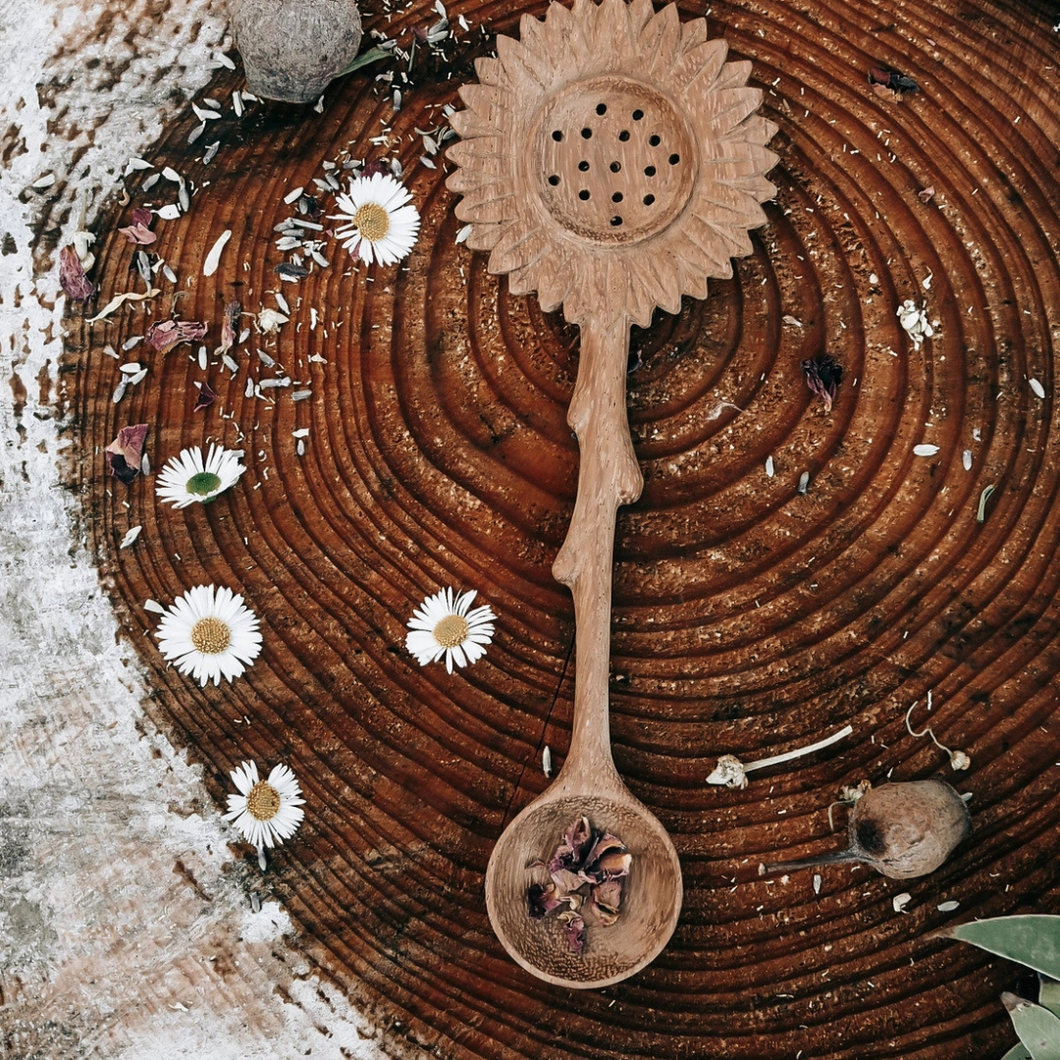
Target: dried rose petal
point(140, 229)
point(72, 276)
point(566, 880)
point(125, 454)
point(823, 376)
point(163, 336)
point(614, 864)
point(541, 898)
point(207, 396)
point(575, 928)
point(577, 841)
point(376, 166)
point(228, 329)
point(605, 900)
point(142, 216)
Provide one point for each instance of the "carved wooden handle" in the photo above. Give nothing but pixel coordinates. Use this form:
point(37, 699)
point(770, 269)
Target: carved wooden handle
point(608, 476)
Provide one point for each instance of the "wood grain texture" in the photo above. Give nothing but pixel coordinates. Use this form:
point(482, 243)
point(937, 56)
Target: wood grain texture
point(748, 618)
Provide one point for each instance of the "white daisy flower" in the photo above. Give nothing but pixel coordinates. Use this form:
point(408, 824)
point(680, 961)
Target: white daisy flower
point(188, 478)
point(443, 625)
point(266, 812)
point(209, 633)
point(382, 222)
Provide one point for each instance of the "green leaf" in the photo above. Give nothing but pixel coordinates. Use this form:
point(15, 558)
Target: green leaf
point(1030, 939)
point(373, 55)
point(1018, 1052)
point(1049, 996)
point(1038, 1028)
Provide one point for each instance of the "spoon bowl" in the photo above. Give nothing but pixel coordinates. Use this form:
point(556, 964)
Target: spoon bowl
point(651, 899)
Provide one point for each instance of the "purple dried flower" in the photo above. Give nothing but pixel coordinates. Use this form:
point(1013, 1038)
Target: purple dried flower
point(125, 454)
point(72, 276)
point(207, 396)
point(166, 334)
point(823, 376)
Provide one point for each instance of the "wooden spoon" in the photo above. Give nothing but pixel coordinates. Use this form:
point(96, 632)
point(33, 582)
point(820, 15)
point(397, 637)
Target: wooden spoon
point(588, 784)
point(610, 160)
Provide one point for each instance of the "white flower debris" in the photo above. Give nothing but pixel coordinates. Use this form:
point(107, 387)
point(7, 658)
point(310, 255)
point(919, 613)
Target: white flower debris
point(770, 468)
point(445, 626)
point(980, 515)
point(966, 459)
point(1039, 390)
point(130, 536)
point(129, 296)
point(213, 259)
point(169, 212)
point(804, 482)
point(925, 449)
point(266, 812)
point(271, 320)
point(900, 901)
point(948, 907)
point(546, 760)
point(209, 633)
point(914, 320)
point(731, 772)
point(959, 760)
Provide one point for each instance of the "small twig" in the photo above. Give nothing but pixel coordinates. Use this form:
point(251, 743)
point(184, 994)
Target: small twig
point(958, 759)
point(730, 771)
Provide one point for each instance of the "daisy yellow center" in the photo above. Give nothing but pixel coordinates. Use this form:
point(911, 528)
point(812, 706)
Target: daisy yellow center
point(211, 636)
point(203, 483)
point(372, 221)
point(263, 802)
point(451, 631)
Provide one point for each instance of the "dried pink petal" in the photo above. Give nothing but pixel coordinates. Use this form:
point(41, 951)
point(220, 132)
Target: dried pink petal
point(139, 234)
point(72, 276)
point(207, 396)
point(604, 901)
point(166, 334)
point(541, 898)
point(125, 454)
point(228, 328)
point(575, 928)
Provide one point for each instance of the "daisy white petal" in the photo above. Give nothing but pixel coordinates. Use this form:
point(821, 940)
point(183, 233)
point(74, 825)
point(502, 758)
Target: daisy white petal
point(192, 479)
point(209, 633)
point(381, 224)
point(444, 626)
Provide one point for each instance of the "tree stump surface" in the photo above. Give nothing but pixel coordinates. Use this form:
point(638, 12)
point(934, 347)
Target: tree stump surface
point(749, 618)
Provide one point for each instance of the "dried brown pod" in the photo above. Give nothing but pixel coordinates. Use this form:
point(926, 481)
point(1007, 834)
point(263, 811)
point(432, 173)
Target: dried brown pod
point(902, 830)
point(292, 49)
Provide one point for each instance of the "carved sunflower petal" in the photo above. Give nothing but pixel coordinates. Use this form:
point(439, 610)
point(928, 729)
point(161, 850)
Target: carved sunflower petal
point(484, 237)
point(661, 40)
point(699, 68)
point(486, 101)
point(490, 72)
point(476, 157)
point(520, 245)
point(515, 55)
point(734, 75)
point(484, 207)
point(555, 283)
point(731, 106)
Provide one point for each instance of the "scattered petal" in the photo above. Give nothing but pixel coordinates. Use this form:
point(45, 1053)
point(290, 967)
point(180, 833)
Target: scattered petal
point(72, 276)
point(207, 396)
point(125, 453)
point(925, 449)
point(130, 536)
point(213, 259)
point(166, 334)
